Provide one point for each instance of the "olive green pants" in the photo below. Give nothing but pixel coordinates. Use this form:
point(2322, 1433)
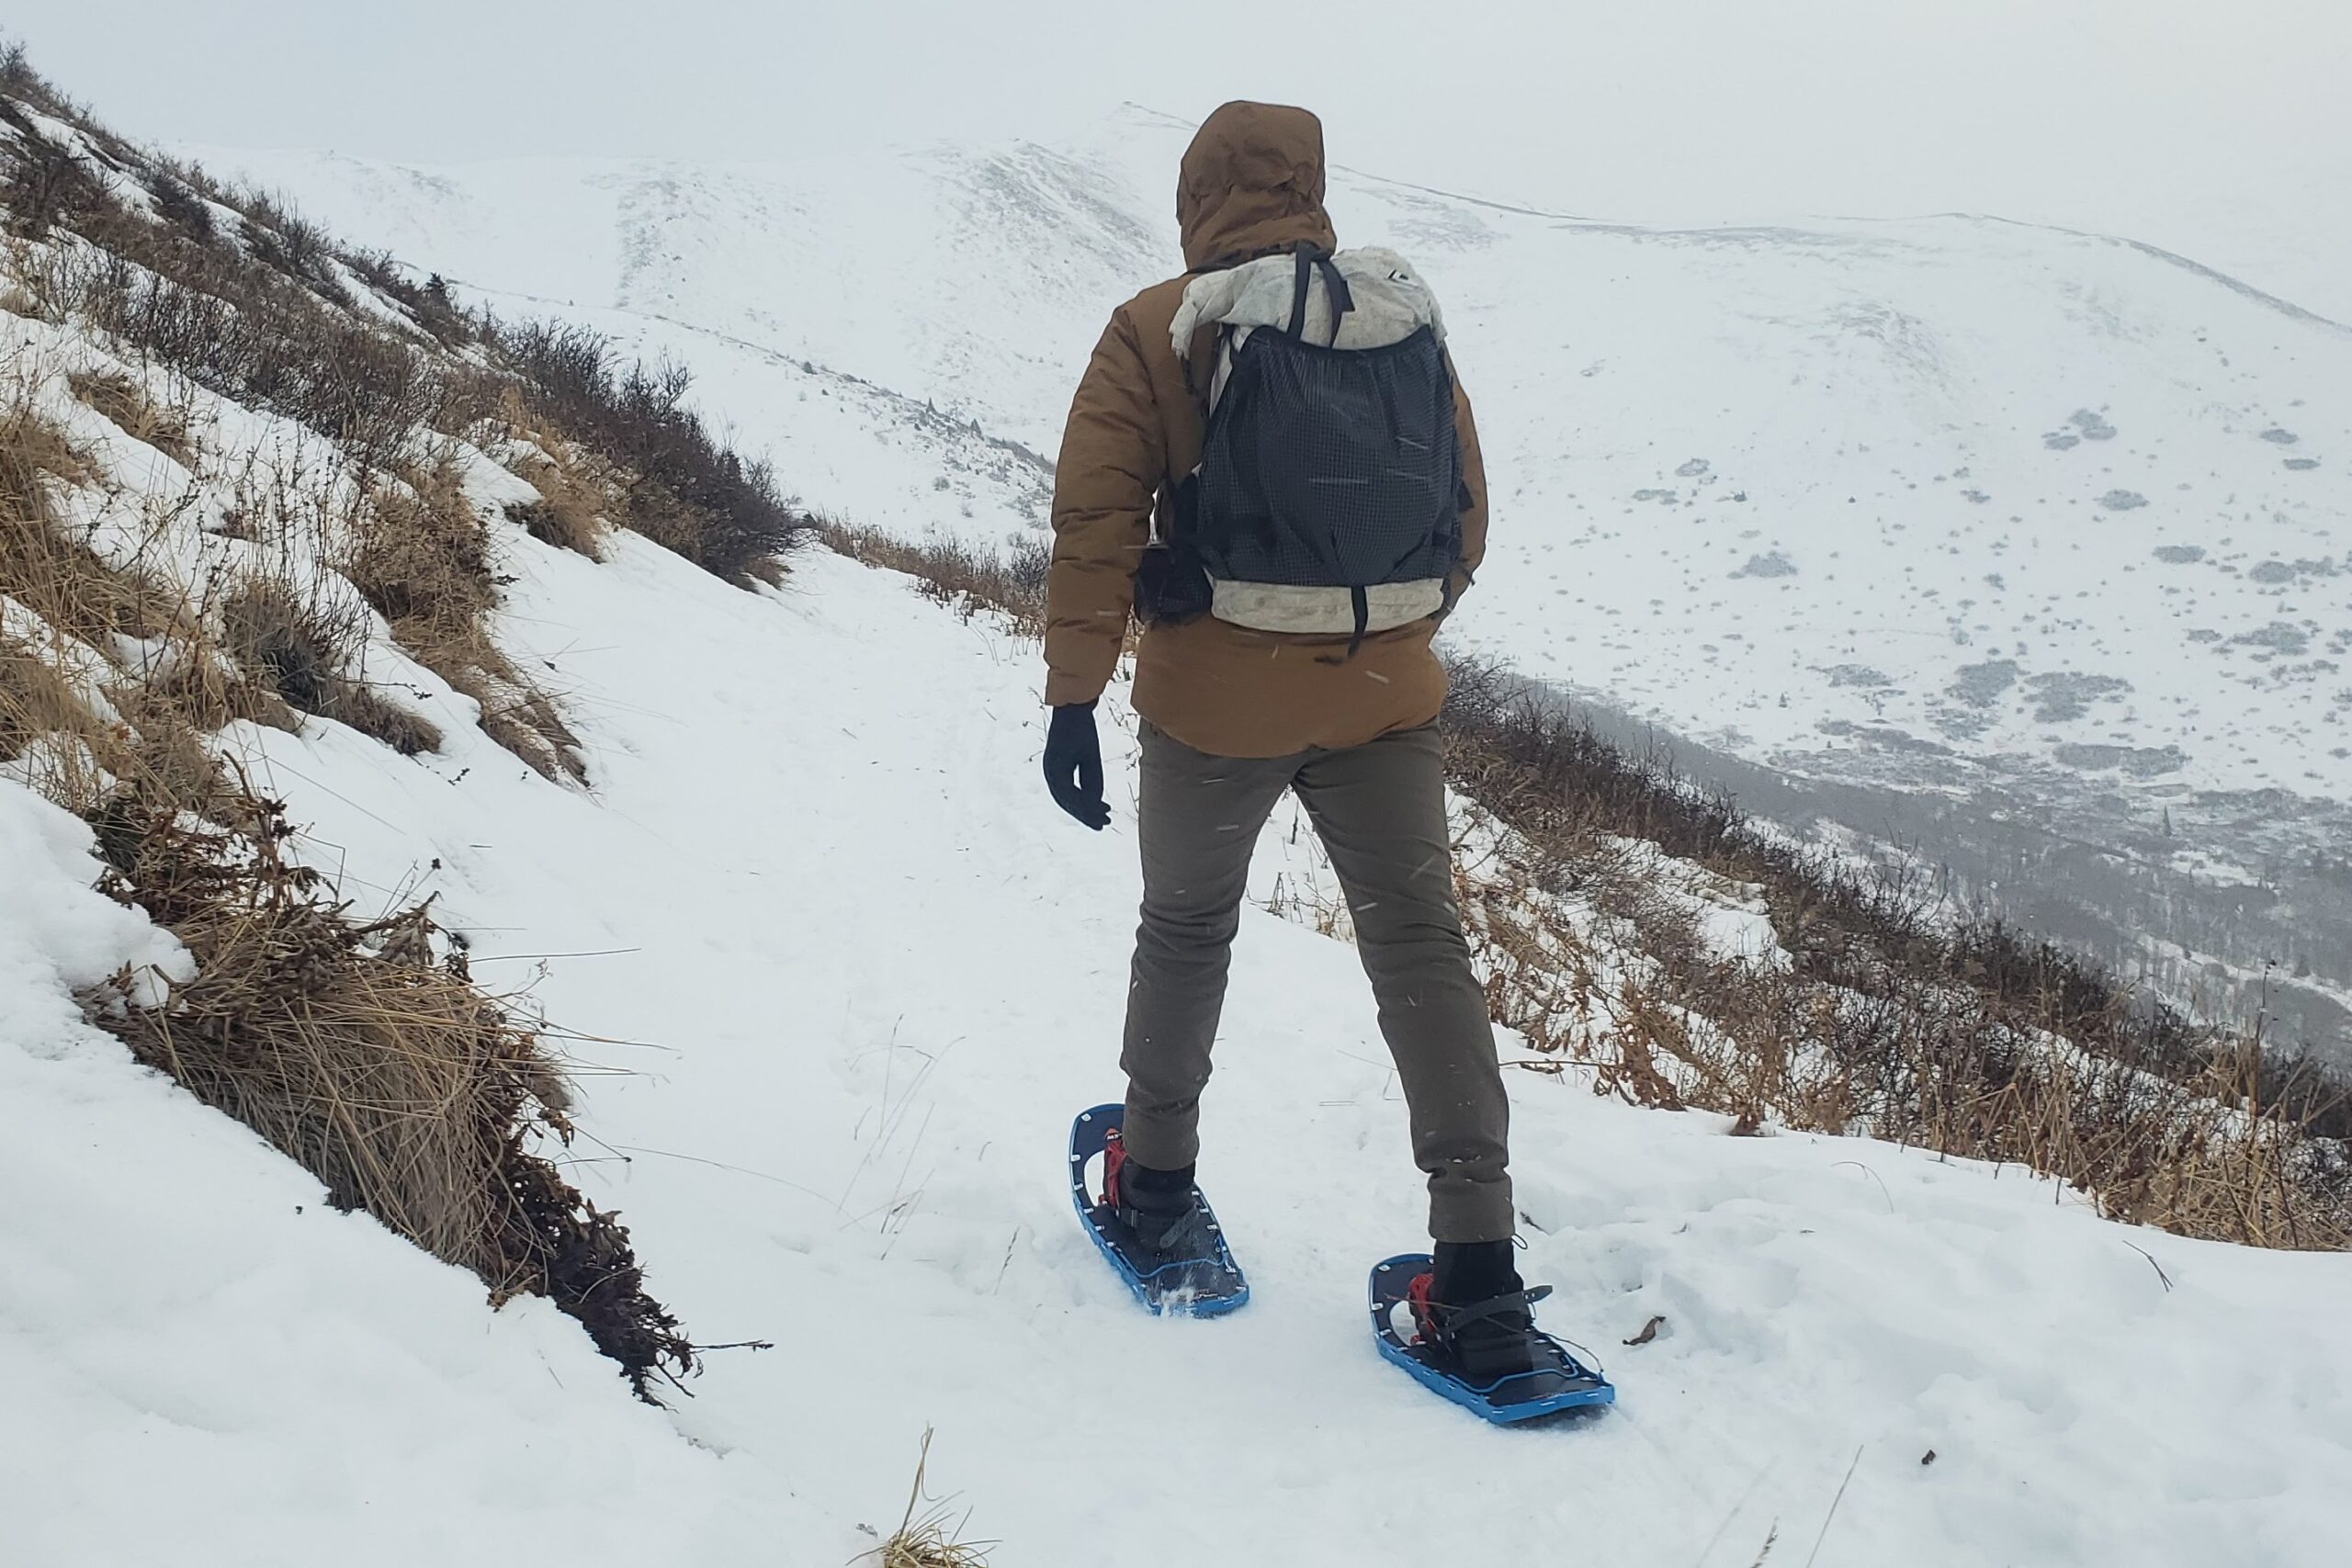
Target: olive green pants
point(1380, 810)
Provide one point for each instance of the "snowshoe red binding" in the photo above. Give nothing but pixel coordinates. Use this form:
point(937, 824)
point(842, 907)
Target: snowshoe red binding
point(1488, 1356)
point(1171, 1254)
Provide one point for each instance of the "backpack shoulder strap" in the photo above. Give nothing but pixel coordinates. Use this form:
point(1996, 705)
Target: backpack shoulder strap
point(1305, 252)
point(1311, 258)
point(1335, 288)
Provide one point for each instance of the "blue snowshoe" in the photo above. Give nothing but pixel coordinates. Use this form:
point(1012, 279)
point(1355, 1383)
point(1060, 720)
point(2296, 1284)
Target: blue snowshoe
point(1171, 1254)
point(1488, 1356)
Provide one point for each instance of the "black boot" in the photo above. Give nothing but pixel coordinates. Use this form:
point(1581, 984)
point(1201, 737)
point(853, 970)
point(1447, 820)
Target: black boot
point(1157, 1208)
point(1475, 1309)
point(1466, 1271)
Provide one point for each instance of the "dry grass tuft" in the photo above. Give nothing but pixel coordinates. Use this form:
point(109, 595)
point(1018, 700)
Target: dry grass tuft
point(126, 402)
point(950, 572)
point(579, 491)
point(928, 1541)
point(72, 710)
point(423, 559)
point(378, 1064)
point(48, 729)
point(45, 566)
point(559, 520)
point(305, 653)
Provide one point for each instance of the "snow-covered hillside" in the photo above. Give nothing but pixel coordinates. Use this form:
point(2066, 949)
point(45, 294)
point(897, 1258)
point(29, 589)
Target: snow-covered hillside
point(1951, 497)
point(859, 973)
point(837, 975)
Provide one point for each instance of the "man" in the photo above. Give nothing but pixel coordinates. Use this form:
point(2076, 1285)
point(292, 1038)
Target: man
point(1235, 714)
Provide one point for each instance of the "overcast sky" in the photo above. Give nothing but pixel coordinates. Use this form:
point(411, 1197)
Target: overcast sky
point(2220, 126)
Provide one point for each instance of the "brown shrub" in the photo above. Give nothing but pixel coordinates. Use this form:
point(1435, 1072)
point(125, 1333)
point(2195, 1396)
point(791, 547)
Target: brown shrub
point(267, 338)
point(44, 185)
point(685, 488)
point(18, 80)
point(183, 205)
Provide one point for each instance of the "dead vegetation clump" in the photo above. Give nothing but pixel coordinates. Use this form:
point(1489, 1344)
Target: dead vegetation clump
point(422, 559)
point(580, 492)
point(960, 576)
point(559, 520)
point(127, 403)
point(681, 486)
point(566, 514)
point(48, 730)
point(47, 569)
point(375, 1061)
point(305, 653)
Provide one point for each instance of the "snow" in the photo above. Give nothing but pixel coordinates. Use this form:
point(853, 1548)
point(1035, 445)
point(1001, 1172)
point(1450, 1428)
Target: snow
point(855, 973)
point(1854, 498)
point(838, 972)
point(57, 934)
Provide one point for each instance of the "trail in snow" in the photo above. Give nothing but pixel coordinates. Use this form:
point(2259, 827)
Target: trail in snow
point(861, 972)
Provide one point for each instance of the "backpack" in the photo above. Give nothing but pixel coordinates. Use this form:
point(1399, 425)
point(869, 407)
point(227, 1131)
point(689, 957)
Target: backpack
point(1328, 495)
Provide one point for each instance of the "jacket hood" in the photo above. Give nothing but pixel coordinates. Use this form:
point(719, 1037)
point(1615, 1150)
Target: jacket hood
point(1251, 183)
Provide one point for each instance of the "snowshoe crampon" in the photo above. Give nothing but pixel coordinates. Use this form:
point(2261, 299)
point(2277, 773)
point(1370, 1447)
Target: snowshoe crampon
point(1185, 1267)
point(1556, 1385)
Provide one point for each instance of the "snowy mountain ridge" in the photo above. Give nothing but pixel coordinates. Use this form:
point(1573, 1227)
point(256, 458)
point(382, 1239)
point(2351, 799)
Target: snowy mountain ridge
point(1826, 494)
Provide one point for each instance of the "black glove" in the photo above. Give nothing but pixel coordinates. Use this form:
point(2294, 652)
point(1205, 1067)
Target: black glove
point(1074, 764)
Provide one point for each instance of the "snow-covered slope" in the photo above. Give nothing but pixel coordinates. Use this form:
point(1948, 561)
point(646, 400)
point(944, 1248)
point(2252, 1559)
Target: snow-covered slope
point(2017, 501)
point(841, 974)
point(207, 1364)
point(859, 972)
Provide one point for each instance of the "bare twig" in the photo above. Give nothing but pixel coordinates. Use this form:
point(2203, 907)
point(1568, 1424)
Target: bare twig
point(1833, 1508)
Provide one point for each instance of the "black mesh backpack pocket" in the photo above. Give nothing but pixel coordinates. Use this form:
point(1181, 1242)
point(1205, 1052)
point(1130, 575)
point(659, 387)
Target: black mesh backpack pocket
point(1331, 467)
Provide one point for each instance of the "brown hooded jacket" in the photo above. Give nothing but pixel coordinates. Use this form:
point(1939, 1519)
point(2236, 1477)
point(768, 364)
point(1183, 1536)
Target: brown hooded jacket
point(1252, 184)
